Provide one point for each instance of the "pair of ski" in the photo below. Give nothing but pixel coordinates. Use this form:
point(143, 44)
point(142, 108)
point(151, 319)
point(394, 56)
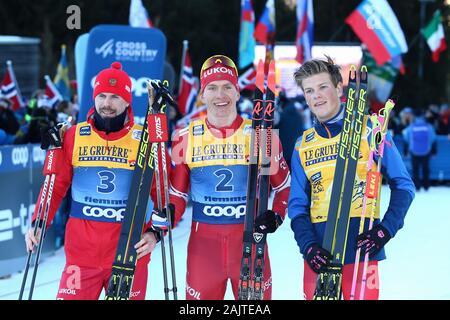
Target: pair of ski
point(329, 281)
point(251, 281)
point(152, 145)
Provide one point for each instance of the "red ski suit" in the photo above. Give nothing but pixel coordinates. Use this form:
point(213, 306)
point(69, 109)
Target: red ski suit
point(217, 186)
point(99, 170)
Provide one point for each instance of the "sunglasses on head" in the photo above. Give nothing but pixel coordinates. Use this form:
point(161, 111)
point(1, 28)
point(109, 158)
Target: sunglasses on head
point(218, 59)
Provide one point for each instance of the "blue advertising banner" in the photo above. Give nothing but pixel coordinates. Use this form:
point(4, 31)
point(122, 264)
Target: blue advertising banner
point(80, 61)
point(20, 182)
point(142, 52)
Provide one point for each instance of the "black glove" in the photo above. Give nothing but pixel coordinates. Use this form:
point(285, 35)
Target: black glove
point(268, 222)
point(373, 241)
point(317, 258)
point(50, 137)
point(159, 218)
point(162, 90)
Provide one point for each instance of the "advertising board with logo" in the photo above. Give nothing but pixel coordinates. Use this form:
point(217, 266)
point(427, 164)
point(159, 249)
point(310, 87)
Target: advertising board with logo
point(141, 52)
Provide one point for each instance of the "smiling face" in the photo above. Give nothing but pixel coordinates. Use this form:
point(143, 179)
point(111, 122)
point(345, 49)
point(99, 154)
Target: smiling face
point(109, 105)
point(322, 96)
point(220, 98)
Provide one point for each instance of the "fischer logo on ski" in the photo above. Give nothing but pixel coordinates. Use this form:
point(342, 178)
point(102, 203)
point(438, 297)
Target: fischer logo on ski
point(329, 281)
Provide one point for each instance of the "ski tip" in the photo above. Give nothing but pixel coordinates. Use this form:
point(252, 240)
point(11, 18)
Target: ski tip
point(363, 73)
point(260, 76)
point(271, 76)
point(352, 73)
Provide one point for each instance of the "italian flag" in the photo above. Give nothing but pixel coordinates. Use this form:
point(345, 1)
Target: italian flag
point(434, 33)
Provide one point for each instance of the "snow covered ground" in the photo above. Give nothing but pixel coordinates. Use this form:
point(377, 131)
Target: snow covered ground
point(416, 267)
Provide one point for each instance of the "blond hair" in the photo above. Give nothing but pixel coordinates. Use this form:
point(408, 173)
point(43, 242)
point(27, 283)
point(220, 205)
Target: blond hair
point(316, 66)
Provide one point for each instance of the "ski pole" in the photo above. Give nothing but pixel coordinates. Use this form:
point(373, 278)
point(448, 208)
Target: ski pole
point(162, 144)
point(38, 220)
point(44, 229)
point(155, 151)
point(380, 123)
point(169, 217)
point(375, 131)
point(50, 168)
point(386, 110)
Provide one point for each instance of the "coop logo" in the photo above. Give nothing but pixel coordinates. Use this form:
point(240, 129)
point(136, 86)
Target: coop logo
point(38, 155)
point(247, 130)
point(85, 131)
point(135, 51)
point(137, 135)
point(108, 213)
point(198, 130)
point(19, 156)
point(228, 211)
point(309, 137)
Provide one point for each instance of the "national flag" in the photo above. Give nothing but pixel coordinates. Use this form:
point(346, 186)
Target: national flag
point(195, 114)
point(265, 32)
point(381, 78)
point(265, 29)
point(9, 88)
point(139, 17)
point(376, 25)
point(247, 41)
point(247, 79)
point(305, 30)
point(434, 33)
point(61, 79)
point(53, 95)
point(188, 88)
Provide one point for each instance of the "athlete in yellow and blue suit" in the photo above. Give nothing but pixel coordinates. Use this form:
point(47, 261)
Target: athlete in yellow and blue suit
point(313, 163)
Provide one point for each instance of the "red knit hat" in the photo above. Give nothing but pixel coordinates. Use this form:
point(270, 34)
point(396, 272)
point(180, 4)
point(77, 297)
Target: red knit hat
point(113, 80)
point(218, 67)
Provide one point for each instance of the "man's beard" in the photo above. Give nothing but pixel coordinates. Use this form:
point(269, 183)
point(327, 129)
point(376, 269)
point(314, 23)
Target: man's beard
point(110, 124)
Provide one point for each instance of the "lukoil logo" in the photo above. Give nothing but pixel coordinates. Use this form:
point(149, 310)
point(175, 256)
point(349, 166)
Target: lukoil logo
point(228, 211)
point(20, 156)
point(108, 213)
point(127, 51)
point(38, 155)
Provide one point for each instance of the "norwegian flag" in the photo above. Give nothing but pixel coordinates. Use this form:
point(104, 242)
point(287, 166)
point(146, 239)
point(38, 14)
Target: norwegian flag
point(247, 79)
point(195, 114)
point(188, 87)
point(53, 95)
point(10, 89)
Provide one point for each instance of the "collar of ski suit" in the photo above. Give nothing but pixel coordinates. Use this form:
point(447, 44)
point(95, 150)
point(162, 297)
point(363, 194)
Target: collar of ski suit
point(225, 132)
point(332, 127)
point(112, 135)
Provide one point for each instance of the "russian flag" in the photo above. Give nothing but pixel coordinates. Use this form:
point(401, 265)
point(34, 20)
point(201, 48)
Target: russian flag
point(305, 30)
point(265, 29)
point(376, 25)
point(9, 88)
